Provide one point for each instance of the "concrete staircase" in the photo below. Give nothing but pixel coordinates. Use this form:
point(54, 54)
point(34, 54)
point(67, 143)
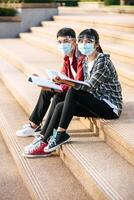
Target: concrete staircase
point(11, 184)
point(112, 40)
point(89, 167)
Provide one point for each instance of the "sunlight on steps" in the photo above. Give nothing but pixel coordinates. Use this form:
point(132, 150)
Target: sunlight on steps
point(99, 162)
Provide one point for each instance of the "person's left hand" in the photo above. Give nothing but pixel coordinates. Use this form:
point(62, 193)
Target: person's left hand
point(69, 83)
point(58, 80)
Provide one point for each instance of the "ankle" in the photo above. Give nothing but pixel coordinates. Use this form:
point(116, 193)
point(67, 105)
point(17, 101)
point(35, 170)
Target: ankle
point(61, 130)
point(33, 125)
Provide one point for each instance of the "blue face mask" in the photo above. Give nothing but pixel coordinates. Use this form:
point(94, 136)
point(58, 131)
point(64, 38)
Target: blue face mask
point(86, 48)
point(65, 48)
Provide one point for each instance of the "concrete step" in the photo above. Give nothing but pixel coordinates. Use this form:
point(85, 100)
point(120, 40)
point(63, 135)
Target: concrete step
point(96, 166)
point(34, 60)
point(117, 49)
point(122, 58)
point(80, 10)
point(124, 54)
point(11, 183)
point(120, 37)
point(46, 179)
point(31, 62)
point(95, 8)
point(119, 133)
point(125, 72)
point(31, 59)
point(112, 22)
point(19, 86)
point(46, 42)
point(103, 173)
point(85, 5)
point(28, 104)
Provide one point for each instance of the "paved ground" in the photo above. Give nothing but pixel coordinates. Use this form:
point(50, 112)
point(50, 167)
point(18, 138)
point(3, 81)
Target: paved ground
point(11, 184)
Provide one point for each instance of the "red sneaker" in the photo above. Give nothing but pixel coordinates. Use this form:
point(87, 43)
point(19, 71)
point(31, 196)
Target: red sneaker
point(37, 150)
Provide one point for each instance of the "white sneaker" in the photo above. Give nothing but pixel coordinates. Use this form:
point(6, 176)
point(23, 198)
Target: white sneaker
point(35, 141)
point(27, 131)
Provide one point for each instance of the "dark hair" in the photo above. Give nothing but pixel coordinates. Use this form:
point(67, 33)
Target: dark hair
point(91, 34)
point(66, 32)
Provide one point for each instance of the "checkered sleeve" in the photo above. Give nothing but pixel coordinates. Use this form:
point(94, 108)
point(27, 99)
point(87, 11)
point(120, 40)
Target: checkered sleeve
point(98, 76)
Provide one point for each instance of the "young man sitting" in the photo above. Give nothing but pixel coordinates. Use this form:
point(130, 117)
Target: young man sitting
point(72, 68)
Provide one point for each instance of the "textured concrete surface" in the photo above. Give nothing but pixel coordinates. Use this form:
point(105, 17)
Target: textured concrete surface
point(99, 168)
point(11, 185)
point(93, 161)
point(45, 177)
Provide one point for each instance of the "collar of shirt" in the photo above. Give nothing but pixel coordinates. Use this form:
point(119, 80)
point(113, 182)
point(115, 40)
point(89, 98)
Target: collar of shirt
point(74, 60)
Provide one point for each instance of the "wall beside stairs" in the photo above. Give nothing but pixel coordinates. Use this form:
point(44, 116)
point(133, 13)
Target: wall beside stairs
point(28, 16)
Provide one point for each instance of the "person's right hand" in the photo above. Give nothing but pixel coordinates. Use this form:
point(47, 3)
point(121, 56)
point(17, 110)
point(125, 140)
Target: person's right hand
point(69, 83)
point(57, 79)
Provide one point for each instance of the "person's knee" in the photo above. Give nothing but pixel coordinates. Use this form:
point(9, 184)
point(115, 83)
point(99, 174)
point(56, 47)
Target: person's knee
point(59, 107)
point(42, 92)
point(56, 99)
point(46, 93)
point(70, 94)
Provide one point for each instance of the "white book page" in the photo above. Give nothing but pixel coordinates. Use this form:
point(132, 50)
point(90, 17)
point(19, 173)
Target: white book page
point(54, 73)
point(43, 82)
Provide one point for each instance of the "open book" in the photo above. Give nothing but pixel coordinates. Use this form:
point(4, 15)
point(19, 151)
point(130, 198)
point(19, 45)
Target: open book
point(64, 78)
point(43, 82)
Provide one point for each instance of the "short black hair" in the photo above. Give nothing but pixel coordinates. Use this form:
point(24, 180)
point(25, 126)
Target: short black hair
point(66, 32)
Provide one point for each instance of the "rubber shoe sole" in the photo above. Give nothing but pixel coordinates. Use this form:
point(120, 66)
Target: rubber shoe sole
point(36, 156)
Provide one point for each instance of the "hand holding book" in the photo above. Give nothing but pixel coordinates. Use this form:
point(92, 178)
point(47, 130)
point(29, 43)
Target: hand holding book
point(58, 80)
point(62, 78)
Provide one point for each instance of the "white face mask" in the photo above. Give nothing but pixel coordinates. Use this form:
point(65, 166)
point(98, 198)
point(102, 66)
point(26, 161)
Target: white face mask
point(65, 48)
point(86, 48)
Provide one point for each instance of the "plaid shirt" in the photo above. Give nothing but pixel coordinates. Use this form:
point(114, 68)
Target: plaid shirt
point(103, 81)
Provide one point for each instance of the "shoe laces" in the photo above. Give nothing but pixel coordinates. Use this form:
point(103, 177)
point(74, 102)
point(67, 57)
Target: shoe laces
point(37, 138)
point(36, 146)
point(52, 139)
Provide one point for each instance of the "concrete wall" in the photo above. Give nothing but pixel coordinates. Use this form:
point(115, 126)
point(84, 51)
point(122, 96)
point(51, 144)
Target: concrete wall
point(9, 29)
point(27, 18)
